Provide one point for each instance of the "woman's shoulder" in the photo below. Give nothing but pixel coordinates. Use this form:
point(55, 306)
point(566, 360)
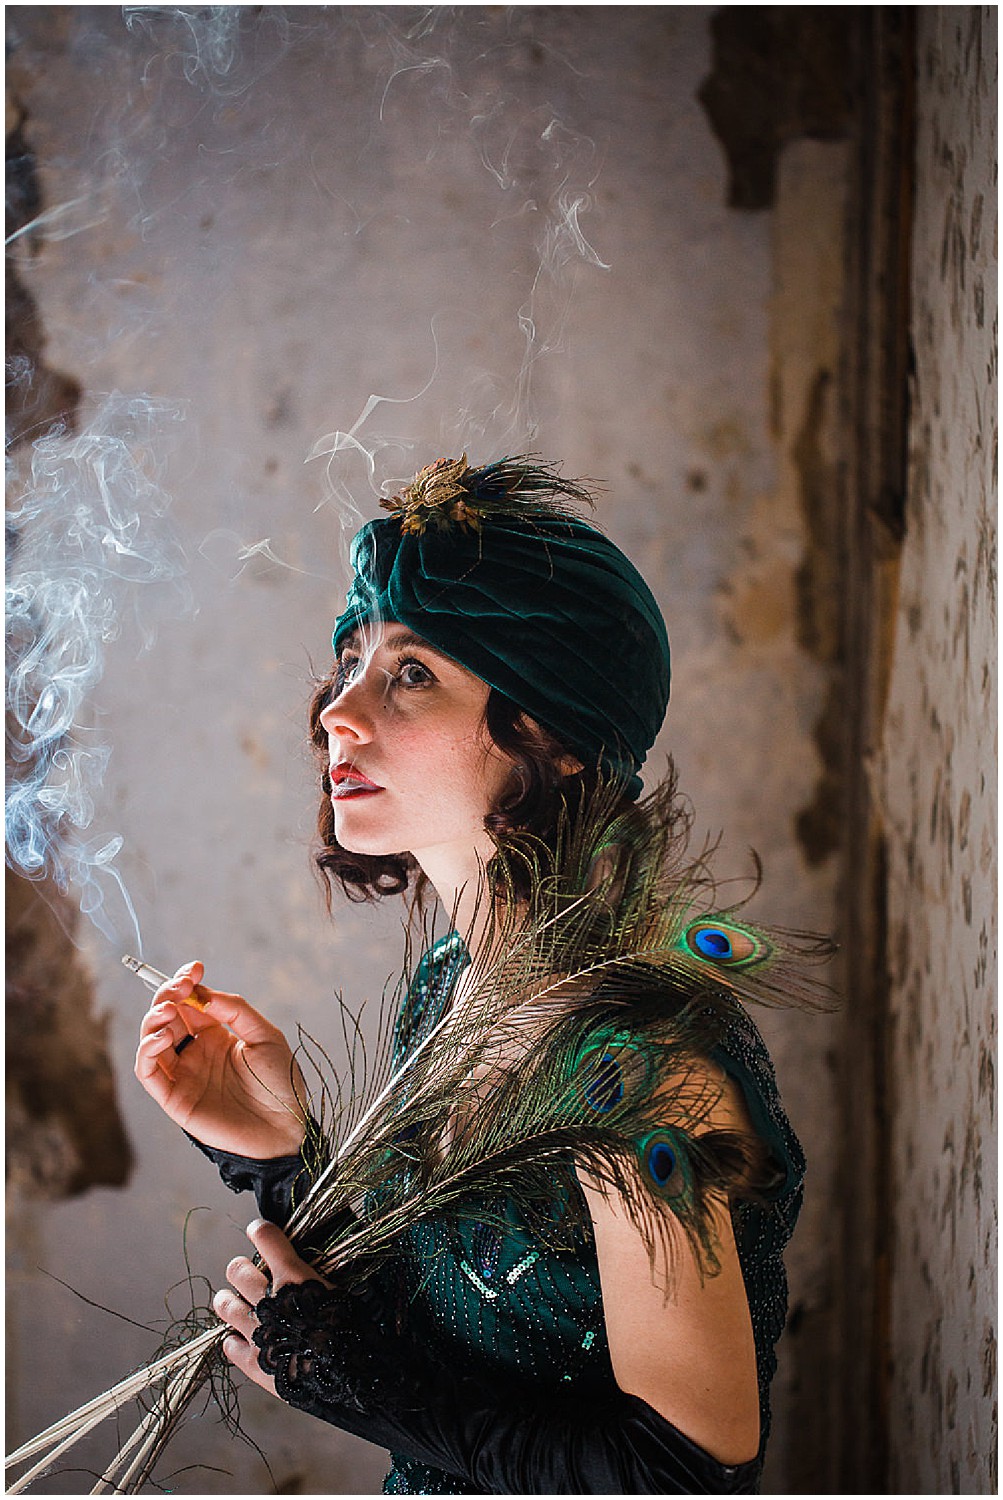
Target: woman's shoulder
point(746, 1061)
point(706, 1067)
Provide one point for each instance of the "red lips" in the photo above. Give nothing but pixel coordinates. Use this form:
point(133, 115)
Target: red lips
point(348, 781)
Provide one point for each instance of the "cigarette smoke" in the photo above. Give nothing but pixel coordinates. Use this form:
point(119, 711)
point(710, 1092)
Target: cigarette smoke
point(91, 532)
point(86, 539)
point(544, 168)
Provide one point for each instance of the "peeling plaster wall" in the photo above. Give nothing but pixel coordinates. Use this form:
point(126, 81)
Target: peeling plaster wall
point(277, 258)
point(780, 603)
point(63, 1128)
point(937, 781)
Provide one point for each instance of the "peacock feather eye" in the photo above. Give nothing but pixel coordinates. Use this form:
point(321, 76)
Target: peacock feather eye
point(664, 1164)
point(725, 943)
point(610, 1067)
point(604, 1088)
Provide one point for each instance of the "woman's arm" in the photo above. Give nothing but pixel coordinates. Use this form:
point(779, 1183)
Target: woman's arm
point(679, 1339)
point(220, 1070)
point(331, 1359)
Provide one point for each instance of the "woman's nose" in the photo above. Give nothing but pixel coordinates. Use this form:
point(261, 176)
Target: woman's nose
point(347, 717)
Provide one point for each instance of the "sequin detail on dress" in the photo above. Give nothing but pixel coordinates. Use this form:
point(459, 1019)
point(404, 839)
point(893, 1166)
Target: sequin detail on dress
point(486, 1294)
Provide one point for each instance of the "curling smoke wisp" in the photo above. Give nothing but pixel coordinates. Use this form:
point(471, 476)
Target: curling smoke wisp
point(441, 100)
point(90, 527)
point(539, 173)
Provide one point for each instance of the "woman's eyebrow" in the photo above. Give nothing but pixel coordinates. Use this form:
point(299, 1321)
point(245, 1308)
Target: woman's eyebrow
point(396, 640)
point(400, 639)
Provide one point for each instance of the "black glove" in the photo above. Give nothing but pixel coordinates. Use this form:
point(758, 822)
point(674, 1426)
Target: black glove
point(330, 1356)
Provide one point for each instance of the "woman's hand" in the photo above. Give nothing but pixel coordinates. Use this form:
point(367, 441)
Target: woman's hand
point(249, 1285)
point(223, 1073)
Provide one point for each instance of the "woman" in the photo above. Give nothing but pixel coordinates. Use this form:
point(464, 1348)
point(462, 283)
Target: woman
point(501, 671)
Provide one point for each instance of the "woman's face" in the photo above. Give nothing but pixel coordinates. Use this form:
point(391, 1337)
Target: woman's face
point(412, 766)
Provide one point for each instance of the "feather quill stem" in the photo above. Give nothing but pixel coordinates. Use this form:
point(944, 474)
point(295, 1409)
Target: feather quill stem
point(111, 1400)
point(634, 929)
point(154, 1432)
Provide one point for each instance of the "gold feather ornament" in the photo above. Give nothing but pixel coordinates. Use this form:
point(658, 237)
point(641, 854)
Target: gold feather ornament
point(436, 496)
point(449, 494)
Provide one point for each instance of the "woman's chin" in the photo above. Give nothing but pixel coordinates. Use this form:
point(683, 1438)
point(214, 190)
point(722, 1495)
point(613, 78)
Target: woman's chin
point(359, 841)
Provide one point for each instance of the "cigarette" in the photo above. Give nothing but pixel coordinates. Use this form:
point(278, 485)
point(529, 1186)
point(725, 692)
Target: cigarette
point(153, 979)
point(150, 976)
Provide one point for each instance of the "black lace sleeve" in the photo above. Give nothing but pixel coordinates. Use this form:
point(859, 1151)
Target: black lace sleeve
point(330, 1355)
point(274, 1181)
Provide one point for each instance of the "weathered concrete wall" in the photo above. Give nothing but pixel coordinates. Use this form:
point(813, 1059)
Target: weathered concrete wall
point(346, 202)
point(937, 783)
point(63, 1129)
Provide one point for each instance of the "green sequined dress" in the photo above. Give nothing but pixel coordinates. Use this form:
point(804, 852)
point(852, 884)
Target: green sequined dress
point(487, 1295)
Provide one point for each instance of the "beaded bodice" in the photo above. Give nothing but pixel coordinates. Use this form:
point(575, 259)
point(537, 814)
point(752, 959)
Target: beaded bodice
point(488, 1294)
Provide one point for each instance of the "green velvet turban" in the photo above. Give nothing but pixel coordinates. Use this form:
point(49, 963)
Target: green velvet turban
point(493, 570)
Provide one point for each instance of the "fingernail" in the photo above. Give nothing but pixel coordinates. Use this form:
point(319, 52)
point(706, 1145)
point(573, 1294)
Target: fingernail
point(255, 1225)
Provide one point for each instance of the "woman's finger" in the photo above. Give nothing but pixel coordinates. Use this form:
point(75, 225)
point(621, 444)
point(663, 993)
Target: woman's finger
point(243, 1020)
point(159, 1015)
point(184, 989)
point(245, 1356)
point(233, 1309)
point(154, 1066)
point(278, 1254)
point(248, 1279)
point(156, 1051)
point(183, 1019)
point(164, 1016)
point(202, 1007)
point(186, 978)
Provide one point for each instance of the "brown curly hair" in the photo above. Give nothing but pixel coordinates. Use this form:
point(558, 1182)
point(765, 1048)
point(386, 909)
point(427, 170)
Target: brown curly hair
point(538, 788)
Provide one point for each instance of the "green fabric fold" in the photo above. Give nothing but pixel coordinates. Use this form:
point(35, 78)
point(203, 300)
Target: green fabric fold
point(547, 610)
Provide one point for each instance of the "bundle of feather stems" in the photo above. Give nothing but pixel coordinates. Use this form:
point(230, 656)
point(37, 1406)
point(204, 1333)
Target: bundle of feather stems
point(586, 1016)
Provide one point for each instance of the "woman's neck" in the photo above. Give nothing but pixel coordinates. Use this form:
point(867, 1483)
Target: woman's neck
point(473, 911)
point(459, 877)
point(477, 915)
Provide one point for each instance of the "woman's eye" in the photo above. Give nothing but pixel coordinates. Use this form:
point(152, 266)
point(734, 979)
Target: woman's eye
point(411, 673)
point(345, 673)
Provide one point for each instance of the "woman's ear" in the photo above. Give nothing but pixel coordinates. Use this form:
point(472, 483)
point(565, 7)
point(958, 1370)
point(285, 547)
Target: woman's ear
point(568, 765)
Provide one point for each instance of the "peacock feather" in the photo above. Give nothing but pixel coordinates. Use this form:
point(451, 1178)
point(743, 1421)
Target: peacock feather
point(578, 1040)
point(582, 1035)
